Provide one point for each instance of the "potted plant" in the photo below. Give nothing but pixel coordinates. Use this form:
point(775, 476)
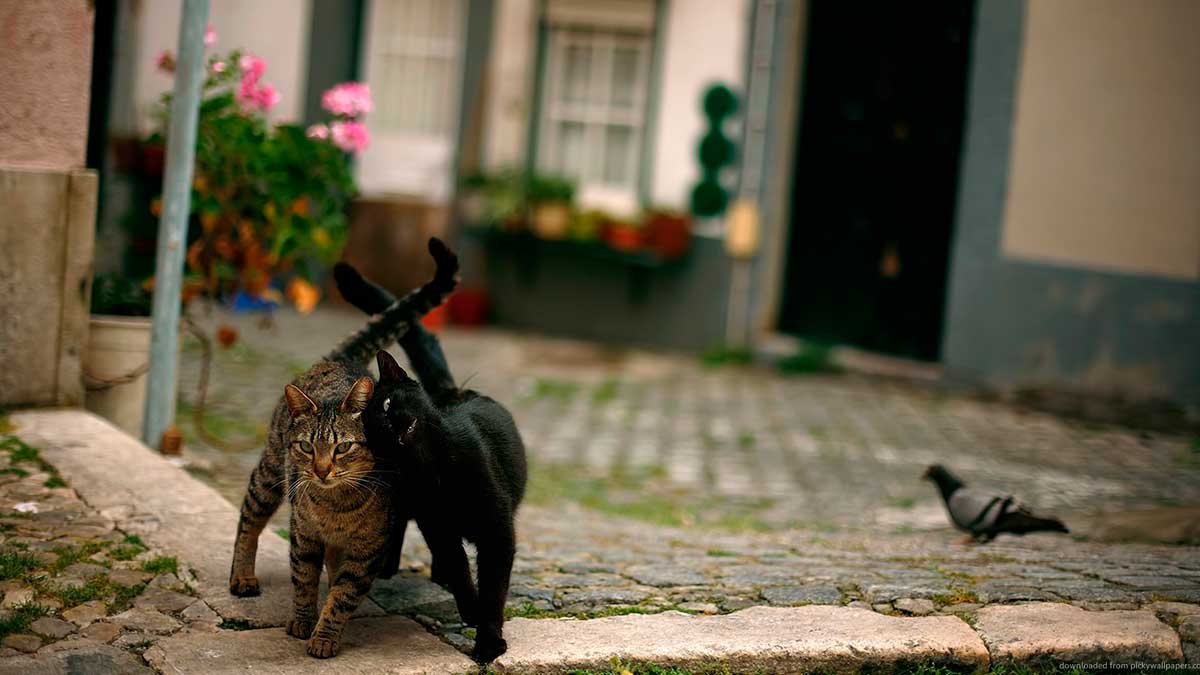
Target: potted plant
point(589, 225)
point(118, 352)
point(668, 232)
point(268, 207)
point(624, 234)
point(550, 200)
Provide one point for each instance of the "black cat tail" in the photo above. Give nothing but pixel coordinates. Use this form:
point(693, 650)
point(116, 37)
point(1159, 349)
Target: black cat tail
point(423, 349)
point(400, 315)
point(360, 291)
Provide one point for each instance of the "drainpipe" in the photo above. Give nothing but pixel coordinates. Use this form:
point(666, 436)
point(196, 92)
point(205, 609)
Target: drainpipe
point(172, 227)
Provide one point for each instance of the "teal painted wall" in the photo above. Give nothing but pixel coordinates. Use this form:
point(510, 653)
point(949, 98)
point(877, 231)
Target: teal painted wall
point(1012, 323)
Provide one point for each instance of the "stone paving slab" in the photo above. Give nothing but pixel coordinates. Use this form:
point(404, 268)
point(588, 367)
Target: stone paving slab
point(82, 658)
point(1046, 632)
point(768, 639)
point(146, 494)
point(392, 645)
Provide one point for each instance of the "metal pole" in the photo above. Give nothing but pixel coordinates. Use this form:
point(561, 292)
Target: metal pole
point(172, 228)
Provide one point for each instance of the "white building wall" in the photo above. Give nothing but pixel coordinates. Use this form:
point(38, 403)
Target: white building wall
point(275, 30)
point(704, 43)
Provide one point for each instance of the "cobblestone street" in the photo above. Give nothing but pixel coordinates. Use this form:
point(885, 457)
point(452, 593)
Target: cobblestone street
point(659, 482)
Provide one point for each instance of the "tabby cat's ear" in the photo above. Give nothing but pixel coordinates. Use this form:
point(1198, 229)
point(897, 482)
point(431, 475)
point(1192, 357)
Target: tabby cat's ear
point(389, 370)
point(358, 396)
point(298, 402)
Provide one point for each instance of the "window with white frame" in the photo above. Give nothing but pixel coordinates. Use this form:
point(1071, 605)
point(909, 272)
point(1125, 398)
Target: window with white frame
point(416, 65)
point(593, 108)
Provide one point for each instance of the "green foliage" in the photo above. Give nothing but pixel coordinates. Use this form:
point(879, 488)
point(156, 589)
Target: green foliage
point(119, 295)
point(20, 451)
point(69, 555)
point(161, 564)
point(606, 391)
point(55, 482)
point(812, 358)
point(18, 618)
point(15, 564)
point(265, 200)
point(720, 355)
point(544, 188)
point(549, 388)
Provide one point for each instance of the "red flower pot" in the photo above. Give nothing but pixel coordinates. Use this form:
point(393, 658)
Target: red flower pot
point(468, 307)
point(669, 234)
point(435, 319)
point(624, 237)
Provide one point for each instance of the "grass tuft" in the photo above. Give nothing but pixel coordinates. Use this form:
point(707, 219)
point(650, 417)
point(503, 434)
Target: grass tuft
point(161, 565)
point(15, 564)
point(18, 618)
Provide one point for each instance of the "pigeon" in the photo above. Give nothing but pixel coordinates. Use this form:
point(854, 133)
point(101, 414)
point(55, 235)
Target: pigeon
point(983, 515)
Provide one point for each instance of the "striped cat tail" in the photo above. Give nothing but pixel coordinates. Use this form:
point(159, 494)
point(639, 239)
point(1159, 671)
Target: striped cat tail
point(387, 326)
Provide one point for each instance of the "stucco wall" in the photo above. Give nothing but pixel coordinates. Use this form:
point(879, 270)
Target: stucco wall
point(704, 43)
point(1105, 167)
point(276, 30)
point(1016, 323)
point(44, 81)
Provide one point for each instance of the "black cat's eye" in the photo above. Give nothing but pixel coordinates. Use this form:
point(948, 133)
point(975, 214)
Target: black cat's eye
point(305, 447)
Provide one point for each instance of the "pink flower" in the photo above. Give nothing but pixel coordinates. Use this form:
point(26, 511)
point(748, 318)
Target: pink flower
point(267, 97)
point(350, 136)
point(318, 132)
point(218, 67)
point(165, 61)
point(247, 93)
point(252, 67)
point(348, 98)
point(210, 36)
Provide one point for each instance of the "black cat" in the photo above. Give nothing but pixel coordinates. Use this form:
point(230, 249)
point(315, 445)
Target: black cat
point(461, 468)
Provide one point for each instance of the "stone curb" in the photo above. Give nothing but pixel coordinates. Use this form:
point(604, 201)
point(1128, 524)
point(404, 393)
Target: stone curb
point(1044, 633)
point(762, 639)
point(392, 644)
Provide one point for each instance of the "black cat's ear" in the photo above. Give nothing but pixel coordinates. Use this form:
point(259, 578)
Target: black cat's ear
point(298, 402)
point(389, 370)
point(359, 395)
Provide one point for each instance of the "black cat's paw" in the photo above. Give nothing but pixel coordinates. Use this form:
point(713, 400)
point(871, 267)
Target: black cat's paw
point(323, 648)
point(301, 628)
point(488, 647)
point(244, 587)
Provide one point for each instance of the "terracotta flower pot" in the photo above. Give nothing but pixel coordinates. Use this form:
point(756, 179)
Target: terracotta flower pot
point(552, 220)
point(468, 307)
point(435, 320)
point(624, 237)
point(669, 234)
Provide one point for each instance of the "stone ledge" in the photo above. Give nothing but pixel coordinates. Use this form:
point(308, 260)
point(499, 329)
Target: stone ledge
point(149, 496)
point(1047, 632)
point(391, 644)
point(767, 639)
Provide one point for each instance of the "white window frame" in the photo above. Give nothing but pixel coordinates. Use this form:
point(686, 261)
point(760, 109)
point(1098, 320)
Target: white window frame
point(602, 44)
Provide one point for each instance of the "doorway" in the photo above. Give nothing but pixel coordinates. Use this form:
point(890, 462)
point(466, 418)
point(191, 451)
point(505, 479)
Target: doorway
point(876, 174)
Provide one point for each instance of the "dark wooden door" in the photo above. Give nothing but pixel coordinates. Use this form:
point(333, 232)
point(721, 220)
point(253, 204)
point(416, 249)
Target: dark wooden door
point(876, 177)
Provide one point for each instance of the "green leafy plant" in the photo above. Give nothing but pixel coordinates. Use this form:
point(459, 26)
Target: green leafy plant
point(549, 188)
point(119, 295)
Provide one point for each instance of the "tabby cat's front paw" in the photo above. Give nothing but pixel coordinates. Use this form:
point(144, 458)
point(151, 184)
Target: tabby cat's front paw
point(323, 648)
point(489, 647)
point(243, 587)
point(301, 628)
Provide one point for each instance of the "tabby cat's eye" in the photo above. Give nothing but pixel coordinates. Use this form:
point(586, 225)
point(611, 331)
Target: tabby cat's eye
point(343, 448)
point(305, 447)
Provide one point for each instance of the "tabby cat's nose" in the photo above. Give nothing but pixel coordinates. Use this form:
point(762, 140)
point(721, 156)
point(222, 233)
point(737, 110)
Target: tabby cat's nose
point(321, 471)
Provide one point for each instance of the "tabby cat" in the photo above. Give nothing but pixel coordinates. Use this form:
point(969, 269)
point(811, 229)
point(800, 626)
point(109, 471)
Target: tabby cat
point(461, 469)
point(317, 453)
